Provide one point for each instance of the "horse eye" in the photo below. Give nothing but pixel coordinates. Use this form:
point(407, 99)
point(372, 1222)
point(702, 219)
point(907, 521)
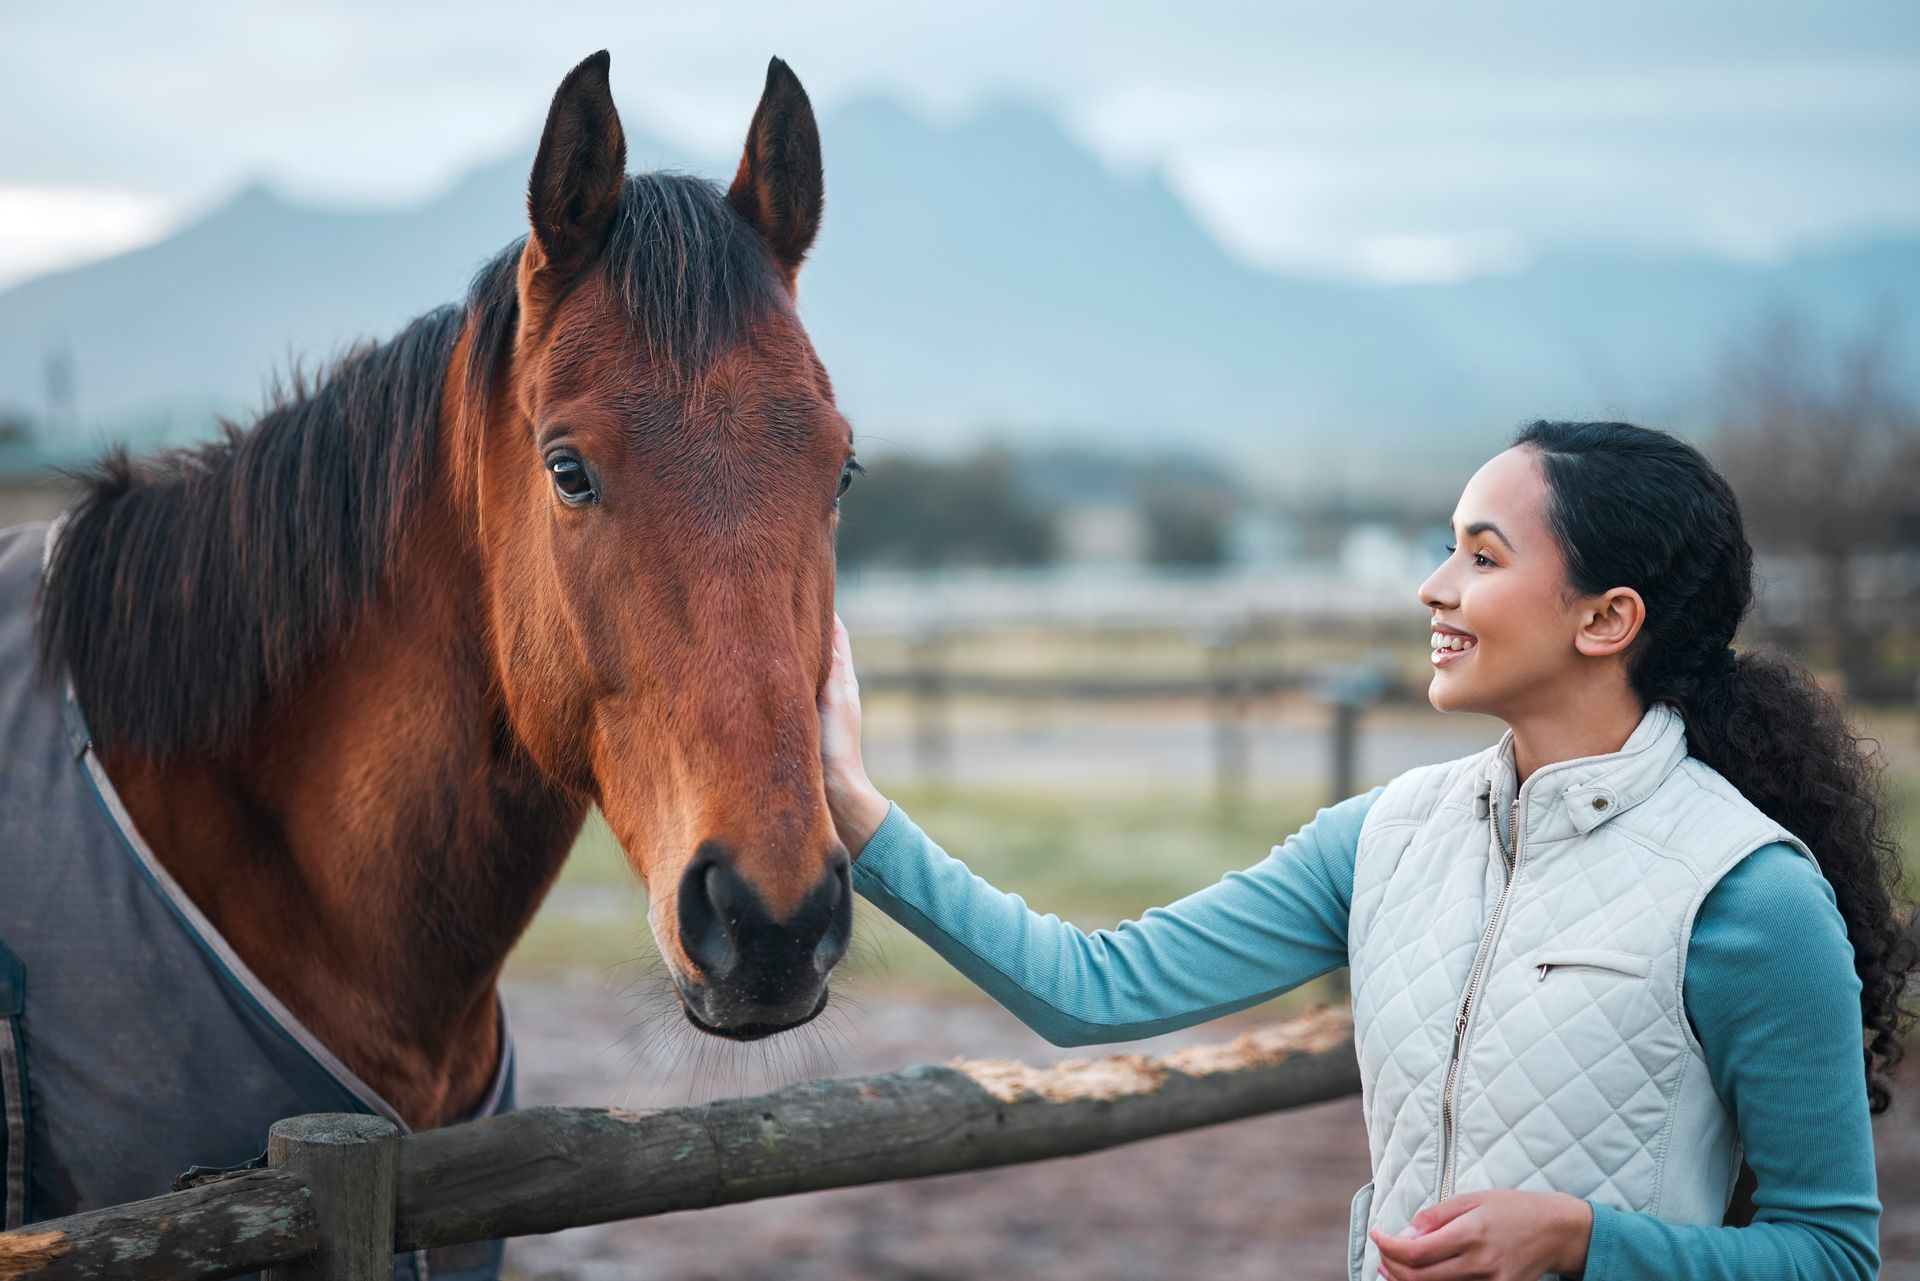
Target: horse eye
point(847, 474)
point(570, 479)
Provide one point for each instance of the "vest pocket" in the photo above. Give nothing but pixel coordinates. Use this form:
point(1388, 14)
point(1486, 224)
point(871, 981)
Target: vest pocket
point(1548, 959)
point(15, 1171)
point(1357, 1216)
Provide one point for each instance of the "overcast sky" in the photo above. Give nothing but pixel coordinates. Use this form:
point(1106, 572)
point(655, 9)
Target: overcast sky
point(1391, 139)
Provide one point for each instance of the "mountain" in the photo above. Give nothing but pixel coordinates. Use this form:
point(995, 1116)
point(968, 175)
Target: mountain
point(201, 322)
point(993, 274)
point(985, 277)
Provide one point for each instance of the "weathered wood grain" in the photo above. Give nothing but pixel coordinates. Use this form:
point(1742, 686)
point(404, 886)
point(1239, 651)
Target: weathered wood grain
point(347, 1161)
point(222, 1229)
point(545, 1169)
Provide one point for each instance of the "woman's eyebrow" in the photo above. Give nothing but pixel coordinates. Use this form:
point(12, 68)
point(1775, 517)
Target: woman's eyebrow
point(1488, 527)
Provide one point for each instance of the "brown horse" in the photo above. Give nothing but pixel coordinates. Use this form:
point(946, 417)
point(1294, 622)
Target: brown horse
point(359, 671)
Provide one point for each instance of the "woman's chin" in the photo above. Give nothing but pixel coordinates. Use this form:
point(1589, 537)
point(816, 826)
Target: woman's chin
point(1445, 691)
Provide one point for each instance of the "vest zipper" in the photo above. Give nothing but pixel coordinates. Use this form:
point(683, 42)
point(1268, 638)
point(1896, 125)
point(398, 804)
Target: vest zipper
point(1512, 862)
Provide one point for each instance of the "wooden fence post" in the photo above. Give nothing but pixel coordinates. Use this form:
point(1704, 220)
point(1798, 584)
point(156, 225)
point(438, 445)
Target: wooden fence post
point(927, 681)
point(1345, 740)
point(1347, 690)
point(347, 1160)
point(1230, 700)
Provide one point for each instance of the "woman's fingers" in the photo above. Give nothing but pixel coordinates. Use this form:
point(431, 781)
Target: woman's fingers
point(840, 713)
point(1405, 1255)
point(842, 679)
point(857, 809)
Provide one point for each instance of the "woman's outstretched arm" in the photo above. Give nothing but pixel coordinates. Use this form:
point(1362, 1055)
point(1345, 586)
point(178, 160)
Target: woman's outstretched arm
point(1249, 936)
point(1252, 935)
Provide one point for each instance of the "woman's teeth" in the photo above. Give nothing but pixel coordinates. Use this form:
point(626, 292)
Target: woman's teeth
point(1445, 643)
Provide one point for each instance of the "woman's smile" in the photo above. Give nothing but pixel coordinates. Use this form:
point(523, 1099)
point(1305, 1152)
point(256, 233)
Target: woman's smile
point(1450, 645)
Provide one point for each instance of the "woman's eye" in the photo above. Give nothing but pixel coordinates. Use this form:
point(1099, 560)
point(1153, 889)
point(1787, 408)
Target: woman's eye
point(570, 479)
point(1451, 549)
point(1482, 560)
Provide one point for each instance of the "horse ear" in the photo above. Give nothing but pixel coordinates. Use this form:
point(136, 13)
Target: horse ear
point(779, 189)
point(575, 189)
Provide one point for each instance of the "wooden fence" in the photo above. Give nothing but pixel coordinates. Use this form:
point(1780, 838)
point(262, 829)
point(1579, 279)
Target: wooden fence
point(344, 1193)
point(1229, 685)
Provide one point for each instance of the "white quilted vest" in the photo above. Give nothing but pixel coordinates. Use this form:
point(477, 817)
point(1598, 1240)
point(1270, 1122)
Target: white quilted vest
point(1527, 1031)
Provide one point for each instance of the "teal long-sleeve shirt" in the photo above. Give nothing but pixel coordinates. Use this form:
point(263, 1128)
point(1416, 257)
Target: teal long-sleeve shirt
point(1769, 987)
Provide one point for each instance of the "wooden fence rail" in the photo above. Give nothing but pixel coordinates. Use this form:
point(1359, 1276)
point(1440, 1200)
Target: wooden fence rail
point(237, 1225)
point(1229, 687)
point(545, 1169)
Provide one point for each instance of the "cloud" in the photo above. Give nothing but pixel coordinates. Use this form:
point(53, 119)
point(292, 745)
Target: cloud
point(51, 227)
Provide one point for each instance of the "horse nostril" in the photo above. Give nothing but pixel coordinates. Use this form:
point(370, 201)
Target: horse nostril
point(836, 897)
point(723, 889)
point(837, 883)
point(728, 934)
point(710, 900)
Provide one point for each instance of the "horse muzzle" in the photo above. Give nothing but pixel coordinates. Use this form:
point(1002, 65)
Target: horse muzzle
point(758, 974)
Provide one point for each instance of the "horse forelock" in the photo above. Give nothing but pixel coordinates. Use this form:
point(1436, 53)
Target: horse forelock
point(689, 276)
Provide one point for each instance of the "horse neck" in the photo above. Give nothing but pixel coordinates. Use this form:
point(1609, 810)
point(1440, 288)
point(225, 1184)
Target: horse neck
point(377, 844)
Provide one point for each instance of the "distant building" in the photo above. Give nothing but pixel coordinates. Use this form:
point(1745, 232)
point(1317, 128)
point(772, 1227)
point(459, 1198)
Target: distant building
point(1104, 534)
point(1262, 537)
point(1381, 555)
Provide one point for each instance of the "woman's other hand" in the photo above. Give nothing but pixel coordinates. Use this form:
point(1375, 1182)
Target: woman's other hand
point(1497, 1235)
point(857, 807)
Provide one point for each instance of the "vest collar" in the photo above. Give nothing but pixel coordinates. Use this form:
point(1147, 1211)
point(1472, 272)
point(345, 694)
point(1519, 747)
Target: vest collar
point(1572, 798)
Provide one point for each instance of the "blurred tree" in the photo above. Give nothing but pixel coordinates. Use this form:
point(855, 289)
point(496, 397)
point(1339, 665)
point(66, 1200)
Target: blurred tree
point(920, 513)
point(1186, 523)
point(1822, 444)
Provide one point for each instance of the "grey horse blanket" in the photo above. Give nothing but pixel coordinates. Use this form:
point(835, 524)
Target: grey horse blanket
point(134, 1043)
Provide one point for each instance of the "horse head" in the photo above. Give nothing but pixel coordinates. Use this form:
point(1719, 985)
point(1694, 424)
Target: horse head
point(656, 475)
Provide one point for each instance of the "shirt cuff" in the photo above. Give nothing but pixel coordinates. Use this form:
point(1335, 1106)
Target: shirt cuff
point(889, 843)
point(1603, 1242)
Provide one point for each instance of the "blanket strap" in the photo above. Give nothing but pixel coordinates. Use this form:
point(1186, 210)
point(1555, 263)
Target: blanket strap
point(16, 1169)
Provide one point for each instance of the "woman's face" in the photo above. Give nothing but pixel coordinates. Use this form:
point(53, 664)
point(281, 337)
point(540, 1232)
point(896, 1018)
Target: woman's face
point(1504, 619)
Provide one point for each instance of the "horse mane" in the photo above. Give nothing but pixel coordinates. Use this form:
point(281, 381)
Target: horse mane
point(188, 590)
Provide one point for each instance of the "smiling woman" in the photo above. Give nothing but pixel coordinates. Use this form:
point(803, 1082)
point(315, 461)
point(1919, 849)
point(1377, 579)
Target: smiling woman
point(1610, 977)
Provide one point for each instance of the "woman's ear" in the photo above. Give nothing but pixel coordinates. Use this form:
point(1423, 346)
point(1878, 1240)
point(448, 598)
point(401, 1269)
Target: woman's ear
point(1609, 622)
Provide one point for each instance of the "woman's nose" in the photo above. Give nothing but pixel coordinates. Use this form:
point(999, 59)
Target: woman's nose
point(1437, 592)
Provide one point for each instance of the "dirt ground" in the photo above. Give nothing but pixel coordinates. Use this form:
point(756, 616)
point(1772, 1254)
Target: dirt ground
point(1258, 1199)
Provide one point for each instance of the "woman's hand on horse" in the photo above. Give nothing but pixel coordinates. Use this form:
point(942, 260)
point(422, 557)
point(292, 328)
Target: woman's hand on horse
point(856, 805)
point(1498, 1235)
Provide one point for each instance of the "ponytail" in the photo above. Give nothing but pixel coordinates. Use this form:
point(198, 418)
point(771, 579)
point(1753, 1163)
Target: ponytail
point(1631, 507)
point(1786, 743)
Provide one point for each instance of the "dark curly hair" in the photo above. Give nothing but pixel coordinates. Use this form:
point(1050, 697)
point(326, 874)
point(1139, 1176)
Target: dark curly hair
point(1633, 507)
